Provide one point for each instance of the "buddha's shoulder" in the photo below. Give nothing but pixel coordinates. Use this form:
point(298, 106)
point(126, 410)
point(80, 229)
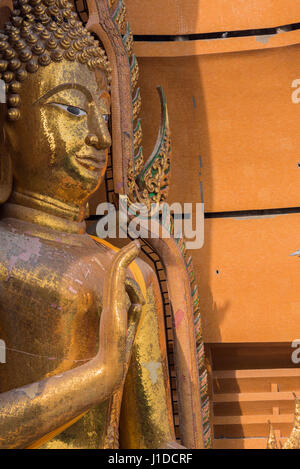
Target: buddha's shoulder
point(13, 238)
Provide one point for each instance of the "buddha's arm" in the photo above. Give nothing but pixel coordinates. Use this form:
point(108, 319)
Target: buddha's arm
point(30, 412)
point(146, 417)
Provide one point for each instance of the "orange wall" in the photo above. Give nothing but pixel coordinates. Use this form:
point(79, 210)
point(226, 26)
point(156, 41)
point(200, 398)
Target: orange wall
point(235, 111)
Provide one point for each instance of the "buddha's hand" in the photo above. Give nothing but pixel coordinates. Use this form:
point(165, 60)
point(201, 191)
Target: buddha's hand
point(113, 345)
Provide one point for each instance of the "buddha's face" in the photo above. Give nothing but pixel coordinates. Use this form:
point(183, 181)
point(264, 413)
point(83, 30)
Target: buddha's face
point(59, 145)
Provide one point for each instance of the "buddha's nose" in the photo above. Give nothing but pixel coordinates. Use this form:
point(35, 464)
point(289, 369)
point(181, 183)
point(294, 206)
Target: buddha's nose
point(93, 141)
point(100, 142)
point(98, 136)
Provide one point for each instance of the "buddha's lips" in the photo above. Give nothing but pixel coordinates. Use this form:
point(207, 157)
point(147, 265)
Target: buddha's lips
point(91, 161)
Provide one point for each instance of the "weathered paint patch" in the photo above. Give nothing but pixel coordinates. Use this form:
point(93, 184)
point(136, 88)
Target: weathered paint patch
point(30, 249)
point(264, 39)
point(179, 315)
point(86, 269)
point(98, 262)
point(32, 390)
point(152, 368)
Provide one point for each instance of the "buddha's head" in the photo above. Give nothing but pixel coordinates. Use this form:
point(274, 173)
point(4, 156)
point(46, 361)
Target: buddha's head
point(55, 124)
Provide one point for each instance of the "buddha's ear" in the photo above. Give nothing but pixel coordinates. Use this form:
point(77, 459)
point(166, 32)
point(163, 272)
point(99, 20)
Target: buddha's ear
point(6, 178)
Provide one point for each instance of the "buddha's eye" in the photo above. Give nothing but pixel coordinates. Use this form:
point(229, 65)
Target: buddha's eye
point(75, 111)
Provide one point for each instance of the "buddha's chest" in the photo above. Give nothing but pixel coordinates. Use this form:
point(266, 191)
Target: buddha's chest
point(50, 303)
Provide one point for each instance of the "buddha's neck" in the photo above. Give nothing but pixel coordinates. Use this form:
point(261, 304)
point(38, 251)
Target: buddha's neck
point(46, 211)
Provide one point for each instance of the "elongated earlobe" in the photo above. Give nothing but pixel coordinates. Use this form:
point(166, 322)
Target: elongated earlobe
point(6, 179)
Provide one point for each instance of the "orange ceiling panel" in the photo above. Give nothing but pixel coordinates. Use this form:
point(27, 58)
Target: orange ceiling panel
point(179, 17)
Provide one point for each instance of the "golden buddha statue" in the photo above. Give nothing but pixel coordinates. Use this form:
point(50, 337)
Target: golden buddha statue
point(64, 299)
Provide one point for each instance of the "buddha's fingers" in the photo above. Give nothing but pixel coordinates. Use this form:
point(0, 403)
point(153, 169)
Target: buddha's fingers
point(134, 314)
point(113, 323)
